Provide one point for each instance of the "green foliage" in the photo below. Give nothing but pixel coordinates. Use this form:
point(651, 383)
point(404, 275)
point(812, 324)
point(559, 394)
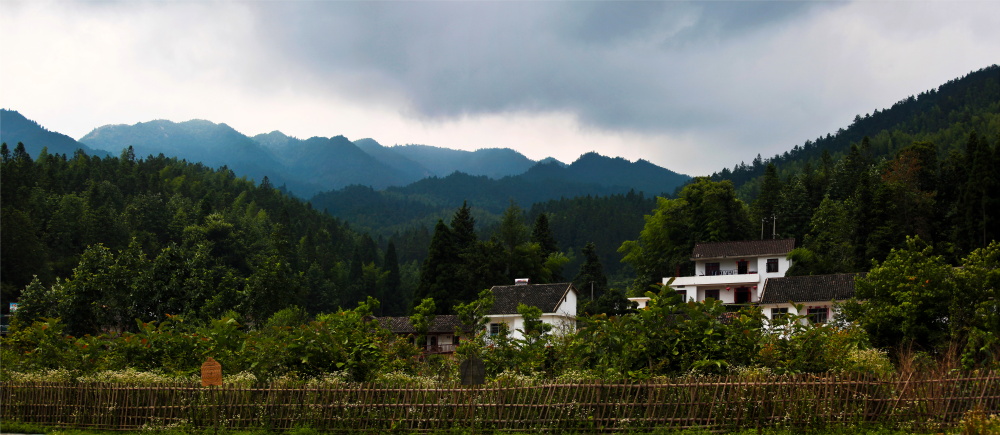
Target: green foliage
point(115, 239)
point(423, 317)
point(705, 211)
point(974, 313)
point(906, 298)
point(795, 345)
point(474, 320)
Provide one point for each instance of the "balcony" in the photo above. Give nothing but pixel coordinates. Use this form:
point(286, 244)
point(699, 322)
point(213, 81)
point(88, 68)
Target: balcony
point(719, 277)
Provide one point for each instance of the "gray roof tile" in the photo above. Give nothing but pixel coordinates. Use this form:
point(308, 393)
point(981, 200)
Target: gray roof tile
point(743, 248)
point(442, 324)
point(544, 296)
point(812, 288)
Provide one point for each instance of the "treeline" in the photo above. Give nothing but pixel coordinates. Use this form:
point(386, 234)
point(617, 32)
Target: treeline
point(944, 116)
point(605, 221)
point(100, 242)
point(843, 214)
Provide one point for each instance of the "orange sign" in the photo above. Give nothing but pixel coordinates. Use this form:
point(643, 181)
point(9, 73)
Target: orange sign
point(211, 372)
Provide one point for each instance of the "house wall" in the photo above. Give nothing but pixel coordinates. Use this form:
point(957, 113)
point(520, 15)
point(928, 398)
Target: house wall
point(832, 311)
point(696, 286)
point(564, 319)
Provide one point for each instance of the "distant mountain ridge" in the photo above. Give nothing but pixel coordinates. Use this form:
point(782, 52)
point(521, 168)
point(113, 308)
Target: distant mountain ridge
point(306, 167)
point(15, 128)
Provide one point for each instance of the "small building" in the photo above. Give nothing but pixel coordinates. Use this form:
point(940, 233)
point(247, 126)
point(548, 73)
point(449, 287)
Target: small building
point(557, 302)
point(731, 272)
point(441, 336)
point(817, 294)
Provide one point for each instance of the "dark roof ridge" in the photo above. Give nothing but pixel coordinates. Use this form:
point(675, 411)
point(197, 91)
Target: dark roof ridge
point(546, 297)
point(742, 248)
point(809, 288)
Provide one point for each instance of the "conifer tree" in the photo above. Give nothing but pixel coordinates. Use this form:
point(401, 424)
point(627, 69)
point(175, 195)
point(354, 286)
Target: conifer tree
point(542, 235)
point(591, 281)
point(439, 276)
point(463, 227)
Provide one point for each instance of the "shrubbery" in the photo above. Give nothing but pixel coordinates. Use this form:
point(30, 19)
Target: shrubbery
point(671, 337)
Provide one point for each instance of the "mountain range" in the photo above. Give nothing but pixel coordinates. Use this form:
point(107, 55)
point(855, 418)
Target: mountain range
point(306, 167)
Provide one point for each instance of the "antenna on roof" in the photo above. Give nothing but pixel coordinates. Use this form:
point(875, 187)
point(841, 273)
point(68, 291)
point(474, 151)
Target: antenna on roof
point(774, 227)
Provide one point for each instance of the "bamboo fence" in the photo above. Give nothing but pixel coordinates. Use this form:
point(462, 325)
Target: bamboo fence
point(711, 403)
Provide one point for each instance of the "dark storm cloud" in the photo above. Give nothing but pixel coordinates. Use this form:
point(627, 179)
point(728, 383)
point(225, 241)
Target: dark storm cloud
point(615, 65)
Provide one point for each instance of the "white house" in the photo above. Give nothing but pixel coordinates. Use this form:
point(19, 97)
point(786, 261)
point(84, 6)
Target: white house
point(557, 302)
point(732, 272)
point(816, 294)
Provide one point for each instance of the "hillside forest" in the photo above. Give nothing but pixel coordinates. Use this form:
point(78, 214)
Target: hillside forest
point(121, 244)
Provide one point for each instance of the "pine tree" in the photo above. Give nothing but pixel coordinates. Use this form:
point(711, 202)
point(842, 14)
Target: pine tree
point(542, 235)
point(440, 272)
point(591, 281)
point(394, 304)
point(463, 228)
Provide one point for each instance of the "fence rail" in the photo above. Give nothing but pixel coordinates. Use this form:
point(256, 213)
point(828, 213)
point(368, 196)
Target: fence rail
point(710, 403)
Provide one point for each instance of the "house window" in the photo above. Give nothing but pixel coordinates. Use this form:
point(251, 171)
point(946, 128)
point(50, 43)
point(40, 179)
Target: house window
point(494, 329)
point(742, 267)
point(455, 340)
point(772, 265)
point(434, 341)
point(711, 269)
point(777, 313)
point(712, 294)
point(817, 315)
point(742, 295)
point(683, 294)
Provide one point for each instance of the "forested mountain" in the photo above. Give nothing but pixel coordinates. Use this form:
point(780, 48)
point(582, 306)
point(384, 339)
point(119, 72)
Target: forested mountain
point(425, 201)
point(102, 241)
point(306, 167)
point(491, 162)
point(616, 174)
point(944, 116)
point(15, 128)
point(330, 162)
point(199, 141)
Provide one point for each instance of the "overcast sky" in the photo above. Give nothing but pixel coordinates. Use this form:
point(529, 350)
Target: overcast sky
point(690, 86)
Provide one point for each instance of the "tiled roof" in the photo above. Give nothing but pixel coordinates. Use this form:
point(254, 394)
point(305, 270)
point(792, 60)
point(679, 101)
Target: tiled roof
point(544, 296)
point(401, 325)
point(812, 288)
point(743, 248)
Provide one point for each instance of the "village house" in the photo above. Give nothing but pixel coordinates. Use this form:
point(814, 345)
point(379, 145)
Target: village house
point(731, 272)
point(441, 335)
point(816, 294)
point(753, 272)
point(557, 302)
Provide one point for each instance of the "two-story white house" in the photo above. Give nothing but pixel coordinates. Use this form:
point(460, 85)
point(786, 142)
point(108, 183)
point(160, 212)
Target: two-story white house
point(731, 272)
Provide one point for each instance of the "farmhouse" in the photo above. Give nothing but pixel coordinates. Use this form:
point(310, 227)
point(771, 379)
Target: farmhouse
point(557, 302)
point(753, 272)
point(731, 272)
point(816, 295)
point(441, 336)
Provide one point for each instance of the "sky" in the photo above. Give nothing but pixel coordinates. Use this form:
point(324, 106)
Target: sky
point(694, 87)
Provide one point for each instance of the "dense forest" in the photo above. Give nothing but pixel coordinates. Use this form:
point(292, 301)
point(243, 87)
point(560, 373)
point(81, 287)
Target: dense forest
point(101, 241)
point(943, 116)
